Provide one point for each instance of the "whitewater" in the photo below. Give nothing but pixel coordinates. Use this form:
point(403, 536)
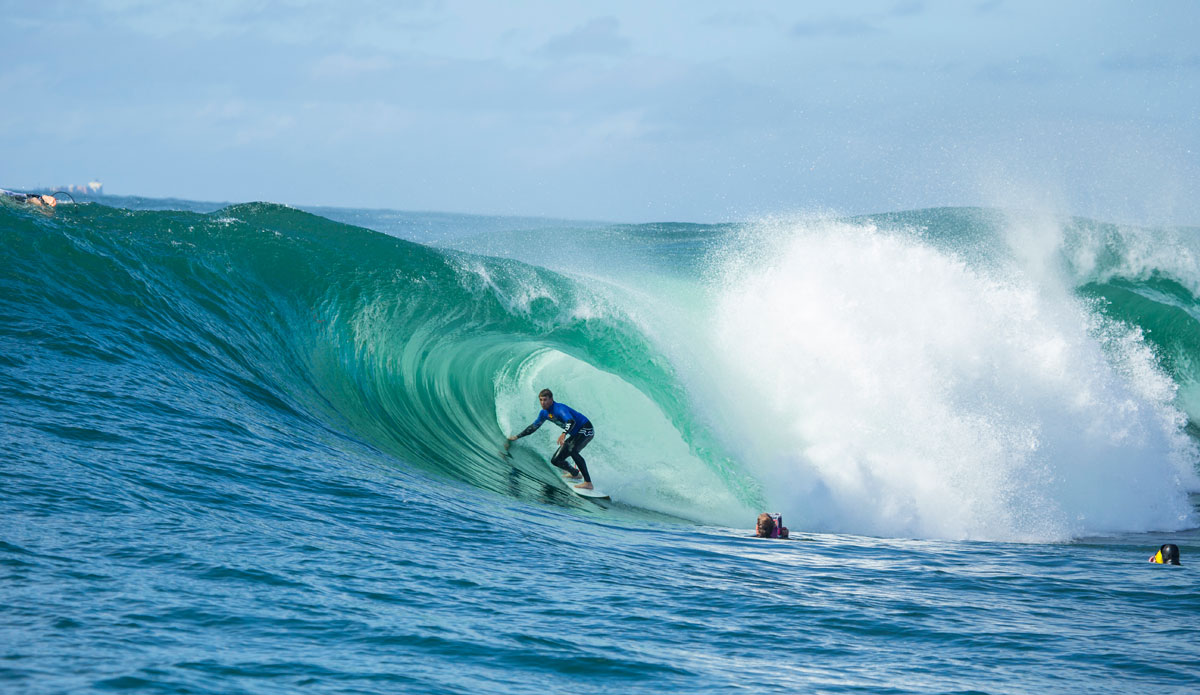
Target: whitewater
point(253, 448)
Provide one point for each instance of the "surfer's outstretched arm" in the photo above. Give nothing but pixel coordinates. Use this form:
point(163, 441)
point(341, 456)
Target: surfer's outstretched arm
point(532, 427)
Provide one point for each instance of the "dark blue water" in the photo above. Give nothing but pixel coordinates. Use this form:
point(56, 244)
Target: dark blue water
point(255, 451)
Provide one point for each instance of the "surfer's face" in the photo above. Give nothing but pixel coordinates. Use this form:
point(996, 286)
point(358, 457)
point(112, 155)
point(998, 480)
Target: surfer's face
point(546, 402)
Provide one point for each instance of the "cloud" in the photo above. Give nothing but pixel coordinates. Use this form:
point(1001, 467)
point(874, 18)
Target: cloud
point(286, 22)
point(343, 66)
point(1150, 62)
point(910, 8)
point(835, 27)
point(1029, 70)
point(242, 123)
point(739, 18)
point(598, 37)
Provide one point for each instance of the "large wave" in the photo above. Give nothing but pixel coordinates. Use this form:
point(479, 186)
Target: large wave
point(949, 373)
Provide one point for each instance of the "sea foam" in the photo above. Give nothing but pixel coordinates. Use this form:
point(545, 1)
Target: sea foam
point(887, 386)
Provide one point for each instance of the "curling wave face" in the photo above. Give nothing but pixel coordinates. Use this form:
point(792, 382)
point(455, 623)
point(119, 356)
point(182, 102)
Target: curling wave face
point(278, 317)
point(945, 373)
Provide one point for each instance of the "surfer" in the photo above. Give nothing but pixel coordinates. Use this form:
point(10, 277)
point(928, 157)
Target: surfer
point(770, 526)
point(577, 433)
point(1168, 554)
point(48, 201)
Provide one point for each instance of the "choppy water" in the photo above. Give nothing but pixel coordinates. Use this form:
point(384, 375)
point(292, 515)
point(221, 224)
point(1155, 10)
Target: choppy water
point(254, 449)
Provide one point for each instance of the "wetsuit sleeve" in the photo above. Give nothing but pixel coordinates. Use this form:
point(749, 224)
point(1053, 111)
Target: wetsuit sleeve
point(533, 427)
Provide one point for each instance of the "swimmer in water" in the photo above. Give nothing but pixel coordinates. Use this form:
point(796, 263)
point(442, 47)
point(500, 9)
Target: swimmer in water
point(1168, 554)
point(47, 201)
point(770, 526)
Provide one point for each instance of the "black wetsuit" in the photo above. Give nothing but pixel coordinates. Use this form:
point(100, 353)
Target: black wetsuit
point(27, 198)
point(579, 432)
point(19, 197)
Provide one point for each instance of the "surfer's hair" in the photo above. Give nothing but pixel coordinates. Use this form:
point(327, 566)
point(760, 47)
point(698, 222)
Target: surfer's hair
point(547, 393)
point(766, 525)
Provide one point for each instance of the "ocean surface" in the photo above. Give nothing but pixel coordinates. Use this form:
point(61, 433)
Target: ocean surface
point(256, 449)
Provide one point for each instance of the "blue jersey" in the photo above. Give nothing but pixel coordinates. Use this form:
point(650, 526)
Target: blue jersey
point(562, 415)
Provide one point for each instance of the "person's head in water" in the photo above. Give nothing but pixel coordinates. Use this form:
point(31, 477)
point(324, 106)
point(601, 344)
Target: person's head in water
point(765, 526)
point(770, 526)
point(546, 398)
point(1168, 554)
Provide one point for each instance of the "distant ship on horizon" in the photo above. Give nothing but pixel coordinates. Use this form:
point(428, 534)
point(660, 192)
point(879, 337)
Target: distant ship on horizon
point(91, 188)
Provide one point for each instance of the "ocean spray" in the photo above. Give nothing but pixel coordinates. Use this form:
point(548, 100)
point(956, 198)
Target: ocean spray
point(890, 387)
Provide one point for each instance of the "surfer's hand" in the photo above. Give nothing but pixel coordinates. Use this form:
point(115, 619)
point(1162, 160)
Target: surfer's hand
point(512, 438)
point(561, 438)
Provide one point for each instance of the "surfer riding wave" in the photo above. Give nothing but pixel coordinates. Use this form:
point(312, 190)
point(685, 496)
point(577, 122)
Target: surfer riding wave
point(577, 433)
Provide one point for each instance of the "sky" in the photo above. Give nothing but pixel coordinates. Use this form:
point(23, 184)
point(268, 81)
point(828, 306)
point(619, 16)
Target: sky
point(676, 110)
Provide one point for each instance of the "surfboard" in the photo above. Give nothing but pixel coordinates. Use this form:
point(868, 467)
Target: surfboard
point(591, 494)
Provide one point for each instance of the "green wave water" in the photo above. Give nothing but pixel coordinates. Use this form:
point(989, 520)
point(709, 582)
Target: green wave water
point(404, 347)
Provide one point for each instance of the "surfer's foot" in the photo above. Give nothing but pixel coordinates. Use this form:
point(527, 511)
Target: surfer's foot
point(571, 474)
point(585, 486)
